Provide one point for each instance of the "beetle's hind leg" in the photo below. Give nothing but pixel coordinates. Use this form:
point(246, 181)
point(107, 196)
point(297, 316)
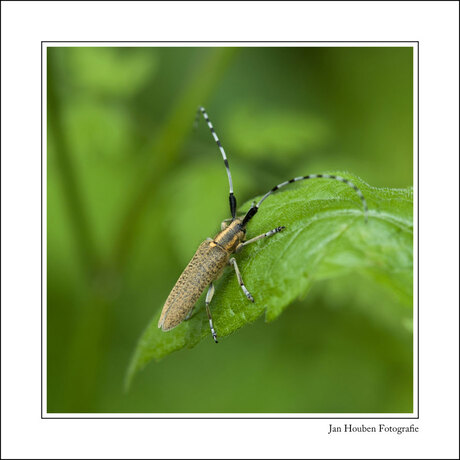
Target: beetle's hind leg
point(209, 297)
point(232, 261)
point(189, 314)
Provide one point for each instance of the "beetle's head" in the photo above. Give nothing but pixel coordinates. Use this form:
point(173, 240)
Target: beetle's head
point(238, 227)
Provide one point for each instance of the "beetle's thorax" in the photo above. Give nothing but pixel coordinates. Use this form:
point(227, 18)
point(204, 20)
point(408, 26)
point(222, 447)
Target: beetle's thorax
point(231, 236)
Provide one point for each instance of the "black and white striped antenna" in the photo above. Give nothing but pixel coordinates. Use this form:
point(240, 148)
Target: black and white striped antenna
point(231, 197)
point(253, 210)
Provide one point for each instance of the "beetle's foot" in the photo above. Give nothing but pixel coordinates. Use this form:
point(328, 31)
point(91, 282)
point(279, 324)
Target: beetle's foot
point(247, 293)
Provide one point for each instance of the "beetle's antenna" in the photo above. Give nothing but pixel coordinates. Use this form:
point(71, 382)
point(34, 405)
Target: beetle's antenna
point(231, 197)
point(252, 211)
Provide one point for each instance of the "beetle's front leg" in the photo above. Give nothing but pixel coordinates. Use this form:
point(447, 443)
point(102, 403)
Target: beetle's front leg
point(232, 261)
point(224, 223)
point(257, 238)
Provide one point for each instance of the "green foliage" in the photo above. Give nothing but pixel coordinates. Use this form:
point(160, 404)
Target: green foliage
point(109, 71)
point(325, 237)
point(284, 134)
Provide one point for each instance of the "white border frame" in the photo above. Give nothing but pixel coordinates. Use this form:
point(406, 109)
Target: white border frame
point(339, 416)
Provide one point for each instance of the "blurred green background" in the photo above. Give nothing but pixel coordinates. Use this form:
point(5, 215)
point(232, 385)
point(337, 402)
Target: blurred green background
point(132, 190)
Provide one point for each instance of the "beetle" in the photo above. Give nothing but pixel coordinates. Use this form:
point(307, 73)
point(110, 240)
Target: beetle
point(214, 254)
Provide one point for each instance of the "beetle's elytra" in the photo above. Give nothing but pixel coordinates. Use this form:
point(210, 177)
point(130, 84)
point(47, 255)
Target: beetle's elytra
point(214, 254)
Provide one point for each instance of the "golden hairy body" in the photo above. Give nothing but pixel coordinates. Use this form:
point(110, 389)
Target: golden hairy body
point(206, 266)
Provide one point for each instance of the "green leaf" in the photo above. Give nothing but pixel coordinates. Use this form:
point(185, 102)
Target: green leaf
point(325, 237)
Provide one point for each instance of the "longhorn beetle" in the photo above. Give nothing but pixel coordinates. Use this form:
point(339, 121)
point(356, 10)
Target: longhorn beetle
point(214, 254)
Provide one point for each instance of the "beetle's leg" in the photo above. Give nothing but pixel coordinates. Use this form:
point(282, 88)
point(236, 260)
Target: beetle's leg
point(257, 238)
point(232, 261)
point(209, 297)
point(224, 223)
point(189, 314)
